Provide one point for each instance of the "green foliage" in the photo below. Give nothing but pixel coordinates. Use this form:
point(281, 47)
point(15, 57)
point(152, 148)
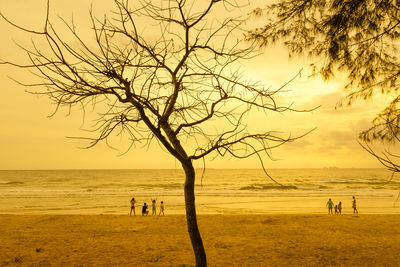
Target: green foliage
point(358, 37)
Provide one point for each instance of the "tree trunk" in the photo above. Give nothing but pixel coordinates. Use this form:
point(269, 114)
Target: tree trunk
point(191, 219)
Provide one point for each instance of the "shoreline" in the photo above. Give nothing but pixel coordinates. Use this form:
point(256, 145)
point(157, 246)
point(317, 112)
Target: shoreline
point(306, 239)
point(224, 191)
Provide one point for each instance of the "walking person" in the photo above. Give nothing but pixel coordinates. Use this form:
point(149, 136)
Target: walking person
point(329, 204)
point(161, 208)
point(340, 207)
point(354, 205)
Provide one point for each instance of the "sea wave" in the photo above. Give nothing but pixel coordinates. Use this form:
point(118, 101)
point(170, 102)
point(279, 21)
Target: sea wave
point(10, 182)
point(268, 187)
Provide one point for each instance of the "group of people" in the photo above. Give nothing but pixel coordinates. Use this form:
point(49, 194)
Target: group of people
point(145, 208)
point(338, 207)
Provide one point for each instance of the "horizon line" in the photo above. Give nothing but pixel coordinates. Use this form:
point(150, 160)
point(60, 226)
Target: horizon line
point(116, 169)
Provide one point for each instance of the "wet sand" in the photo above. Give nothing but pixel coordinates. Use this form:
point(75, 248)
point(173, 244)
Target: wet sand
point(230, 240)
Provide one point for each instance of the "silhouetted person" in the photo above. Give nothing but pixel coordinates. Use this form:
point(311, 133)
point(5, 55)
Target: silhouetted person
point(153, 207)
point(340, 207)
point(336, 209)
point(329, 204)
point(144, 209)
point(132, 207)
point(354, 205)
point(161, 208)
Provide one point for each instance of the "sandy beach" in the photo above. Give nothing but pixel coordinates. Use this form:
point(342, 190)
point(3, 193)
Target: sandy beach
point(230, 240)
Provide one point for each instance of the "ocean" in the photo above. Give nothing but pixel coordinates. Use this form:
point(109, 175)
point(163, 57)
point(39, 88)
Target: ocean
point(218, 191)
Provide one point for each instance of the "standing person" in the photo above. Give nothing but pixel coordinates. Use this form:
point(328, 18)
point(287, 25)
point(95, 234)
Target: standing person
point(153, 207)
point(354, 205)
point(144, 209)
point(336, 209)
point(133, 201)
point(340, 207)
point(161, 208)
point(329, 204)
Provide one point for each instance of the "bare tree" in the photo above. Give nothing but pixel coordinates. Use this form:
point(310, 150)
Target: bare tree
point(358, 37)
point(168, 72)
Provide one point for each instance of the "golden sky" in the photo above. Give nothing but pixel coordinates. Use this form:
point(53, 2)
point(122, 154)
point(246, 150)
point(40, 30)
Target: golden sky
point(29, 139)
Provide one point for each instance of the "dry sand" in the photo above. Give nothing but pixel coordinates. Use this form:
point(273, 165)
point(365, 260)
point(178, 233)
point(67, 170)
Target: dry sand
point(230, 240)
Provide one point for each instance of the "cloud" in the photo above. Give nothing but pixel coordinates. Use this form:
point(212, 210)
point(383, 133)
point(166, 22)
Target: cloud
point(330, 104)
